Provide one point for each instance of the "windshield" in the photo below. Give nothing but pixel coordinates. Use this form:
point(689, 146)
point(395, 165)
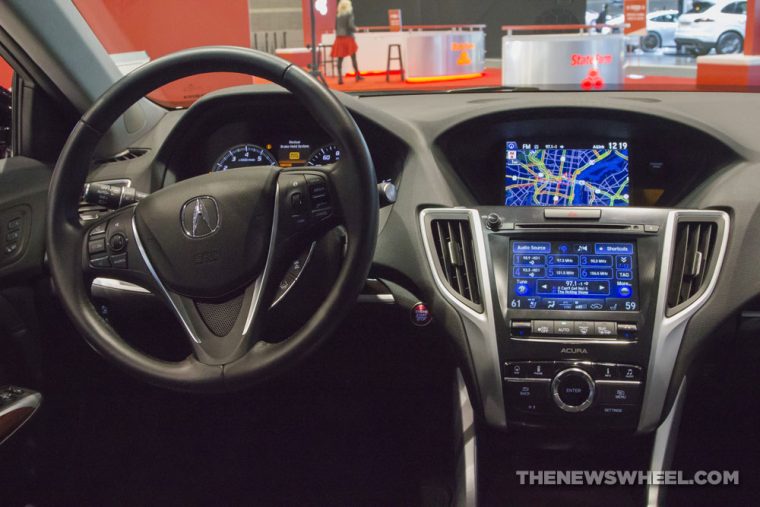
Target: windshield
point(414, 46)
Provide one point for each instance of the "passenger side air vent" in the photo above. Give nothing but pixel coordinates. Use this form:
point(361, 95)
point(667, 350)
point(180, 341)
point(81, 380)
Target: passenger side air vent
point(455, 249)
point(693, 262)
point(128, 154)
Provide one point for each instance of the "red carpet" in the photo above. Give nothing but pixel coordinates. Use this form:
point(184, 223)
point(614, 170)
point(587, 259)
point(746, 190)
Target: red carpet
point(492, 77)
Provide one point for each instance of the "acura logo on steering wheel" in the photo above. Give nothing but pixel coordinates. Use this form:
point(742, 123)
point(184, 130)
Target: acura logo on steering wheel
point(200, 217)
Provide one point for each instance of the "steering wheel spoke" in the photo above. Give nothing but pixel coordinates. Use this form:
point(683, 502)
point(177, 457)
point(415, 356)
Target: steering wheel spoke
point(221, 330)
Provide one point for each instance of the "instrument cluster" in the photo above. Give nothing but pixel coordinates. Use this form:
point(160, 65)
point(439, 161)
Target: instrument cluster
point(289, 153)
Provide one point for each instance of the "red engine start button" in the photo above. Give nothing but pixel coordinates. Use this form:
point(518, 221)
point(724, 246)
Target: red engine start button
point(421, 315)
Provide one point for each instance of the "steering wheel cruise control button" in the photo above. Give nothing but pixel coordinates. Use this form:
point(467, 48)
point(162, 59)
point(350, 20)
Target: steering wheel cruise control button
point(573, 390)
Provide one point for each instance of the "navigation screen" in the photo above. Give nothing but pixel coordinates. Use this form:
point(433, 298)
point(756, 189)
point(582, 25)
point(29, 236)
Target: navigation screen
point(560, 175)
point(573, 275)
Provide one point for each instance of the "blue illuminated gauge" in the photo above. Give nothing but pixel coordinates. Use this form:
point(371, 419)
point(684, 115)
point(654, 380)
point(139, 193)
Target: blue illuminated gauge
point(327, 154)
point(244, 155)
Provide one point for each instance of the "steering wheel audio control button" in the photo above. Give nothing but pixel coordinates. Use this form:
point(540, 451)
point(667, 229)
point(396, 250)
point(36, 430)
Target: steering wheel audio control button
point(96, 246)
point(99, 229)
point(100, 262)
point(117, 242)
point(573, 390)
point(119, 261)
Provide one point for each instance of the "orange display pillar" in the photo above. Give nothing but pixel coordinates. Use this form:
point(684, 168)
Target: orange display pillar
point(752, 39)
point(740, 70)
point(6, 74)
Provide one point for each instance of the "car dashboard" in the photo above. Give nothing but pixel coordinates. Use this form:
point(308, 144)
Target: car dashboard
point(573, 296)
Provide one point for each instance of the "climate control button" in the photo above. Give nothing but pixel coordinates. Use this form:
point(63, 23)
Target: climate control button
point(573, 390)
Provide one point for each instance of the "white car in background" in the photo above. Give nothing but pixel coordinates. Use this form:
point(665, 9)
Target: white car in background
point(720, 25)
point(661, 30)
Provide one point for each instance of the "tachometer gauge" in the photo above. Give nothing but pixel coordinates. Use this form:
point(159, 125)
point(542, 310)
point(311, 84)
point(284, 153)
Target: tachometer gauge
point(327, 154)
point(244, 155)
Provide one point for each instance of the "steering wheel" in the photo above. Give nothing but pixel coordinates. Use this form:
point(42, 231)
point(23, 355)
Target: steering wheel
point(212, 246)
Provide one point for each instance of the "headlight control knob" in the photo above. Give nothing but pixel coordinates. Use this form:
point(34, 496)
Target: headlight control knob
point(493, 222)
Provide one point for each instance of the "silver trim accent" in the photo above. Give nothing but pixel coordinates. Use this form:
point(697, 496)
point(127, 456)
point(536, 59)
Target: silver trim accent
point(113, 283)
point(669, 331)
point(573, 408)
point(617, 382)
point(480, 328)
point(518, 379)
point(577, 341)
point(300, 272)
point(121, 182)
point(30, 399)
point(664, 445)
point(750, 314)
point(262, 280)
point(387, 299)
point(466, 492)
point(173, 300)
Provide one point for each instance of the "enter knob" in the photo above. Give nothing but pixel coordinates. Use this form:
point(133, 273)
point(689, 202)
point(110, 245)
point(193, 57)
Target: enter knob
point(573, 390)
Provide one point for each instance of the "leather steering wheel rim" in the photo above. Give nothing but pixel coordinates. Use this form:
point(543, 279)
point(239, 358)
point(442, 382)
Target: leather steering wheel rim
point(65, 232)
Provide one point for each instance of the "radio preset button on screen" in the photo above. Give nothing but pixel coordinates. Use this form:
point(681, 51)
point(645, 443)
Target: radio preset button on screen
point(573, 275)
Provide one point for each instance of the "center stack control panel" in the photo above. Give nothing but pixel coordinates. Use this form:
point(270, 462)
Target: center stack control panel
point(575, 301)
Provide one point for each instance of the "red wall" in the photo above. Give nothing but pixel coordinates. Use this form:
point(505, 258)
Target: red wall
point(6, 74)
point(160, 27)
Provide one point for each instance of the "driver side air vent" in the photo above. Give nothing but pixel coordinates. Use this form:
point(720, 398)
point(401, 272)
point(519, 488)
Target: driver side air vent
point(455, 249)
point(128, 154)
point(693, 262)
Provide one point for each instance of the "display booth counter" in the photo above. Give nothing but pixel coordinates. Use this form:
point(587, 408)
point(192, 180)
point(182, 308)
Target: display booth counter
point(420, 53)
point(586, 60)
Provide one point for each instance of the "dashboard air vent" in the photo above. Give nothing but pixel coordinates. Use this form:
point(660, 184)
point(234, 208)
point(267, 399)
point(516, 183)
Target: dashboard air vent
point(456, 258)
point(693, 260)
point(128, 154)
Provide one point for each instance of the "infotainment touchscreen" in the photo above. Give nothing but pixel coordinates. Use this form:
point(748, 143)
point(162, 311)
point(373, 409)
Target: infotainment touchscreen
point(565, 175)
point(574, 275)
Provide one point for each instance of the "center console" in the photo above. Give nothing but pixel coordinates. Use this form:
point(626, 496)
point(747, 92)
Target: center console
point(574, 316)
point(577, 308)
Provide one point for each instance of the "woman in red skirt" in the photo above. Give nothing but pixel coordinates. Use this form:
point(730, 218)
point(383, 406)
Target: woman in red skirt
point(345, 44)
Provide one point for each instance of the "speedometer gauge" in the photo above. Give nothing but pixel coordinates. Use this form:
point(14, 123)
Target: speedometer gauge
point(244, 155)
point(327, 154)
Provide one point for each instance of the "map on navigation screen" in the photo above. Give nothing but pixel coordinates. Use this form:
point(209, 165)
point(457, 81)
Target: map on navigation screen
point(556, 175)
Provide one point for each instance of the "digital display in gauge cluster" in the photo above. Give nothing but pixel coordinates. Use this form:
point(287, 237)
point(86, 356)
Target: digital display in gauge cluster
point(595, 174)
point(286, 153)
point(574, 275)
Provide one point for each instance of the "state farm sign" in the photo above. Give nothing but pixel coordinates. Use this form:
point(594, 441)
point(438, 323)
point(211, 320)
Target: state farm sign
point(576, 59)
